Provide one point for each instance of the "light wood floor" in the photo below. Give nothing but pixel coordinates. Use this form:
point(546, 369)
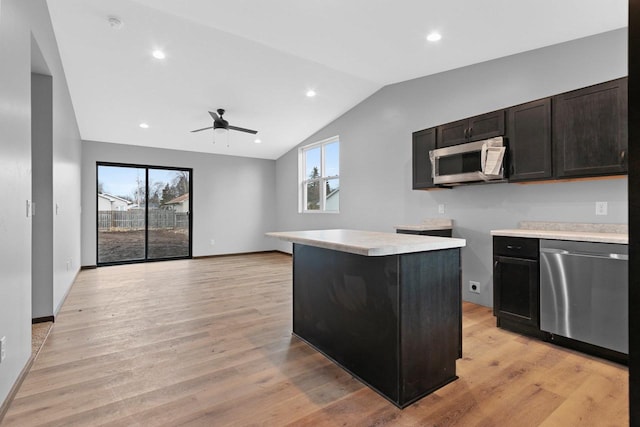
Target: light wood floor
point(208, 343)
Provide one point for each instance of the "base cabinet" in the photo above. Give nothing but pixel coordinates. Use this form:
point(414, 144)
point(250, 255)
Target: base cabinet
point(516, 284)
point(394, 321)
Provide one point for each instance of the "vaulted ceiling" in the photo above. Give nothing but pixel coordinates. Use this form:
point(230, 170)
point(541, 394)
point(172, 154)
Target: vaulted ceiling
point(258, 59)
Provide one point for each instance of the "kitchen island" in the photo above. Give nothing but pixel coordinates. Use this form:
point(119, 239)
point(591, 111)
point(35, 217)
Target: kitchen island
point(386, 307)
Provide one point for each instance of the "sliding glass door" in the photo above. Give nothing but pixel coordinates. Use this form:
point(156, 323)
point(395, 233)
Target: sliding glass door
point(169, 211)
point(143, 213)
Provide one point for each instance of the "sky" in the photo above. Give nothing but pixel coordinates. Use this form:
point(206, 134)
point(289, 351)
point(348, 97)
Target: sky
point(121, 181)
point(332, 153)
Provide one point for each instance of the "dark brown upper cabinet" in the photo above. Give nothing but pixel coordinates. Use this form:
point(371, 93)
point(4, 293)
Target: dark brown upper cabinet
point(529, 141)
point(423, 142)
point(472, 129)
point(590, 130)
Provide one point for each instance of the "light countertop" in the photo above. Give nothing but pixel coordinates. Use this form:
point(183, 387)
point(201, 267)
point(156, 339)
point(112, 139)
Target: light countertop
point(368, 243)
point(428, 225)
point(578, 236)
point(580, 232)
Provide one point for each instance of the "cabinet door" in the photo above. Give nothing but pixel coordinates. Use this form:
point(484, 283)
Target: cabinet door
point(590, 130)
point(453, 133)
point(423, 142)
point(529, 139)
point(486, 126)
point(516, 289)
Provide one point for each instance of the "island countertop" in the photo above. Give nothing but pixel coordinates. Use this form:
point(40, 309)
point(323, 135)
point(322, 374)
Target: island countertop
point(368, 243)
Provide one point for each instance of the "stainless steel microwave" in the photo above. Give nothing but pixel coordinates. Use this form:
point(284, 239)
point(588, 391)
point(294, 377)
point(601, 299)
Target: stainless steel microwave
point(473, 161)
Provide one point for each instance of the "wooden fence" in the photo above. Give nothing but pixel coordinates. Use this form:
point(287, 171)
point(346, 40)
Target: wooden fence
point(135, 220)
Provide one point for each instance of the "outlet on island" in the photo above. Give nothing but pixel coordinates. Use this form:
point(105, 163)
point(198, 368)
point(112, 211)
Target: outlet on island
point(3, 348)
point(601, 208)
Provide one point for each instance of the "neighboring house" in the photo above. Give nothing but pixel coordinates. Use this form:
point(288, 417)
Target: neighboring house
point(333, 200)
point(109, 202)
point(179, 204)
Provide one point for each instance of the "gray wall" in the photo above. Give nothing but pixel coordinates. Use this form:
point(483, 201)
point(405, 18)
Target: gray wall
point(233, 197)
point(375, 139)
point(20, 21)
point(42, 193)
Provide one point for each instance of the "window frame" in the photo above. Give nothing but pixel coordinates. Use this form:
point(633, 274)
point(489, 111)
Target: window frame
point(303, 180)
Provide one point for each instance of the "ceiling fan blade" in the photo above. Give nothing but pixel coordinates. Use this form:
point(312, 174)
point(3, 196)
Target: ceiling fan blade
point(214, 115)
point(242, 129)
point(198, 130)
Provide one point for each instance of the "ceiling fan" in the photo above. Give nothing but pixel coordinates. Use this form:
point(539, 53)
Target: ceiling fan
point(221, 126)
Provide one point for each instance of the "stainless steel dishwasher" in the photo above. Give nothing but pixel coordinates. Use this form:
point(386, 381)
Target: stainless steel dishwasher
point(584, 292)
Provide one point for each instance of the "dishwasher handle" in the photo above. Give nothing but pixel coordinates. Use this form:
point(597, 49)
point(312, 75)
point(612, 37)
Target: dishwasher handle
point(622, 257)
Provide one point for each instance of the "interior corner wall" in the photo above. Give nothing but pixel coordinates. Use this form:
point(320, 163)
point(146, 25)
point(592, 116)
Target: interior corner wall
point(375, 153)
point(42, 194)
point(233, 197)
point(20, 21)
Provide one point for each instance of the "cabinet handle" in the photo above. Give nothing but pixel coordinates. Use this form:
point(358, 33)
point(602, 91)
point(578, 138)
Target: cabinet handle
point(495, 264)
point(470, 132)
point(517, 248)
point(623, 156)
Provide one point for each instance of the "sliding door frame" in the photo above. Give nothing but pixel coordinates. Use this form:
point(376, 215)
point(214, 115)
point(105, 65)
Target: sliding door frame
point(146, 213)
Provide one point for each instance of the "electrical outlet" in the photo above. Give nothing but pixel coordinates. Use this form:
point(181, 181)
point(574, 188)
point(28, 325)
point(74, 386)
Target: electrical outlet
point(212, 242)
point(440, 209)
point(601, 208)
point(474, 287)
point(3, 348)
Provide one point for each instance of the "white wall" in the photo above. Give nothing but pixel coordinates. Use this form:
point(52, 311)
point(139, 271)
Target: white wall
point(375, 150)
point(233, 197)
point(20, 21)
point(15, 186)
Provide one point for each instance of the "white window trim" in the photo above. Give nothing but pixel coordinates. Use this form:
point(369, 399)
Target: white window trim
point(303, 180)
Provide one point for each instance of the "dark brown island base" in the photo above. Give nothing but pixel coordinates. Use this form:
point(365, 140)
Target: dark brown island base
point(385, 307)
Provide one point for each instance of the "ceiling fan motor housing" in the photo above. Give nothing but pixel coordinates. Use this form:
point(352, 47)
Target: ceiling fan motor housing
point(220, 123)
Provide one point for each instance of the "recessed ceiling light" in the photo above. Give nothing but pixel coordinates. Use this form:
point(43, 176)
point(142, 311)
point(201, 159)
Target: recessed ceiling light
point(311, 93)
point(144, 125)
point(434, 37)
point(158, 54)
point(257, 141)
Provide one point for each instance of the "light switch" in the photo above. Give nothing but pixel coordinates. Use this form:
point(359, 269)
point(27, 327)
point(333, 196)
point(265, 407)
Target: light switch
point(440, 209)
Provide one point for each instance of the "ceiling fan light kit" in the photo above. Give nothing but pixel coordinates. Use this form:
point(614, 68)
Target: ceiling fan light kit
point(221, 127)
point(115, 22)
point(221, 135)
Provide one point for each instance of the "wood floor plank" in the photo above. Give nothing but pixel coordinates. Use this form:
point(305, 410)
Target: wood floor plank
point(208, 342)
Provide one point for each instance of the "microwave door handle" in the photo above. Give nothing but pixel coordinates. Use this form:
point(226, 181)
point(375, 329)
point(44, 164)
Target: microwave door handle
point(432, 158)
point(483, 158)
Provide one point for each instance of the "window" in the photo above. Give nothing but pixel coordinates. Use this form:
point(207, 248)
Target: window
point(320, 176)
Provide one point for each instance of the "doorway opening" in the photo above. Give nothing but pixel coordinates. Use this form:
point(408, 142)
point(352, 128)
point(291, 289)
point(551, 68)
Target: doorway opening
point(143, 213)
